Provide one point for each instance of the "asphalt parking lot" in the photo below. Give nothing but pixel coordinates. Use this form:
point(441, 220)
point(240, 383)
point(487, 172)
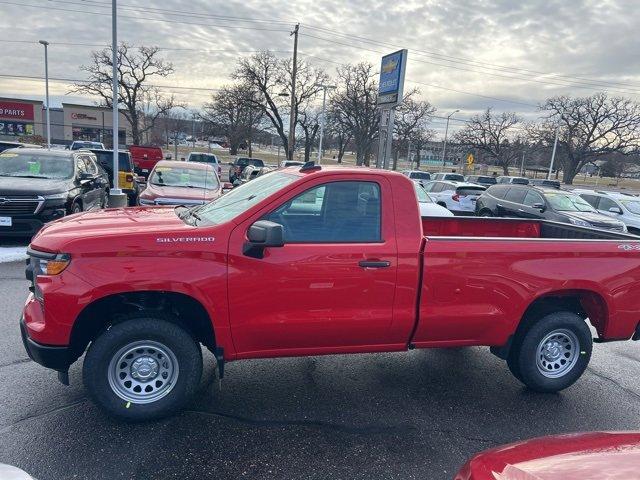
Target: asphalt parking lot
point(403, 415)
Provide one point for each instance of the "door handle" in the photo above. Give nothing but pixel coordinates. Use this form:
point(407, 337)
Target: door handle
point(499, 205)
point(374, 263)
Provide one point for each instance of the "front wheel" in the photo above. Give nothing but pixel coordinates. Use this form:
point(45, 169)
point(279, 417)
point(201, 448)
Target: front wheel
point(552, 353)
point(142, 369)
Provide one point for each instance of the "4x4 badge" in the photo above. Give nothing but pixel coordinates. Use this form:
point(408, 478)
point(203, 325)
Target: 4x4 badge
point(627, 246)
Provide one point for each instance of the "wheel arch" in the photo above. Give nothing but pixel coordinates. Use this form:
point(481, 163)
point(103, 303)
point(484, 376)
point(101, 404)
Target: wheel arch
point(588, 304)
point(185, 310)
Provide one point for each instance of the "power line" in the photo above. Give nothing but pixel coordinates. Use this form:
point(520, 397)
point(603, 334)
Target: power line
point(472, 62)
point(137, 17)
point(177, 12)
point(80, 80)
point(522, 78)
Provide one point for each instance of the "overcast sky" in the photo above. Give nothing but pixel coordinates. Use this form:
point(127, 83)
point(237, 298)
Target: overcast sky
point(461, 52)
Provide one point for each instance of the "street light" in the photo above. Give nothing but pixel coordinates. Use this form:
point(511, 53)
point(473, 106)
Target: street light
point(555, 145)
point(322, 120)
point(46, 83)
point(446, 131)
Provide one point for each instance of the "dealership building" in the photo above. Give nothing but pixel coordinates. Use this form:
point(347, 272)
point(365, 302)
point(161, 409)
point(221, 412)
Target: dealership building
point(26, 118)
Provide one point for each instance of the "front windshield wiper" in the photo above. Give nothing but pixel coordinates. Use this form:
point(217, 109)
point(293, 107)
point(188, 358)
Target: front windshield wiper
point(22, 176)
point(188, 213)
point(245, 199)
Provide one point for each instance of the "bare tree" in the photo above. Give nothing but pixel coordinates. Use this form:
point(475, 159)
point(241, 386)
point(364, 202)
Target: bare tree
point(308, 119)
point(495, 135)
point(271, 78)
point(338, 133)
point(411, 120)
point(354, 107)
point(233, 112)
point(590, 127)
point(136, 68)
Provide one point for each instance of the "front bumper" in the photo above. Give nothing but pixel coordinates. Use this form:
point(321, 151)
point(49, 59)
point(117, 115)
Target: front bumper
point(55, 357)
point(29, 225)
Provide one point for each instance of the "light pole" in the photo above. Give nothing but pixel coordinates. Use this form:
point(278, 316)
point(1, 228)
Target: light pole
point(555, 145)
point(46, 83)
point(116, 197)
point(446, 131)
point(322, 119)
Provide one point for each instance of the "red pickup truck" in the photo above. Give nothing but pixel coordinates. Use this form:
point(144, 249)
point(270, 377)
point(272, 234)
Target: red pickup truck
point(313, 261)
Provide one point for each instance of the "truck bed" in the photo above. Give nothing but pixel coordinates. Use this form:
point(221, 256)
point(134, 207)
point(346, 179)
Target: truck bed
point(513, 228)
point(497, 267)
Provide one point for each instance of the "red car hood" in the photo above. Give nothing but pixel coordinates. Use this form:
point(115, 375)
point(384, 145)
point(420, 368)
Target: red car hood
point(119, 223)
point(154, 191)
point(583, 456)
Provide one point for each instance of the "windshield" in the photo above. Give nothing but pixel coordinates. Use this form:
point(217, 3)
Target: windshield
point(489, 180)
point(201, 157)
point(565, 202)
point(184, 177)
point(241, 198)
point(421, 175)
point(423, 196)
point(31, 165)
point(455, 177)
point(632, 205)
point(79, 145)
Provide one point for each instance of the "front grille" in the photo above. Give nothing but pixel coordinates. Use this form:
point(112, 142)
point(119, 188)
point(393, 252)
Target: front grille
point(18, 206)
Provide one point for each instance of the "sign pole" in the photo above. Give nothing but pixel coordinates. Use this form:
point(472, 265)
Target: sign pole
point(390, 89)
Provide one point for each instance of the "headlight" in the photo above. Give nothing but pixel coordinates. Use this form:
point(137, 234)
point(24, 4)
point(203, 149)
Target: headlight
point(45, 264)
point(50, 266)
point(580, 223)
point(56, 196)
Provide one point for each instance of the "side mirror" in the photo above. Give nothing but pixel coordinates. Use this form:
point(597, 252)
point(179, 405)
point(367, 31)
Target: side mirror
point(539, 206)
point(263, 234)
point(616, 210)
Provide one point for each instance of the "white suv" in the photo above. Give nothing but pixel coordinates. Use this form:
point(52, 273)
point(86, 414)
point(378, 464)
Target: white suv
point(621, 206)
point(459, 197)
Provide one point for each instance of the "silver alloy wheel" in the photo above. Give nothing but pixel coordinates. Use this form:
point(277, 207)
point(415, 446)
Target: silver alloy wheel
point(143, 371)
point(557, 353)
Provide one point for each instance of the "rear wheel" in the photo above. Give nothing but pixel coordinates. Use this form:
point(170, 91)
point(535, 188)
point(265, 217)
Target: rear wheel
point(552, 353)
point(142, 369)
point(76, 207)
point(486, 213)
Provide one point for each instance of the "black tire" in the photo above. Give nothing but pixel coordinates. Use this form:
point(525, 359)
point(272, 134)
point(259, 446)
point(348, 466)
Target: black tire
point(76, 207)
point(574, 338)
point(104, 201)
point(486, 213)
point(147, 330)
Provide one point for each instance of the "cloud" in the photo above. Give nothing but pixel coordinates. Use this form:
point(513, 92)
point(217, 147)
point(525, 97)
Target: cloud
point(507, 49)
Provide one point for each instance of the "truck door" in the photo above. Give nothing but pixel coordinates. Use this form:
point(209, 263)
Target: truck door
point(331, 287)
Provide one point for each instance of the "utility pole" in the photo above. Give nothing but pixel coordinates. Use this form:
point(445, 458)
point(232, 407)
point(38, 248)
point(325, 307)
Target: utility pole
point(446, 131)
point(46, 82)
point(292, 115)
point(522, 165)
point(322, 119)
point(116, 197)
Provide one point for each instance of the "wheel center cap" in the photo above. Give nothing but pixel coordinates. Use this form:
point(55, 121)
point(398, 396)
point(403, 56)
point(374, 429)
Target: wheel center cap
point(144, 369)
point(552, 351)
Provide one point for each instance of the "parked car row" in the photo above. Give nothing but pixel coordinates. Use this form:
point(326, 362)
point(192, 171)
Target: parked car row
point(524, 201)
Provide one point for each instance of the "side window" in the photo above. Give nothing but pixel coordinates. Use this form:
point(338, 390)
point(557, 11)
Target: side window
point(336, 212)
point(591, 199)
point(437, 187)
point(606, 203)
point(497, 191)
point(515, 195)
point(532, 198)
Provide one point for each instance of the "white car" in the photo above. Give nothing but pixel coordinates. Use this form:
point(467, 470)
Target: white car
point(454, 177)
point(621, 206)
point(209, 158)
point(427, 206)
point(419, 175)
point(458, 197)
